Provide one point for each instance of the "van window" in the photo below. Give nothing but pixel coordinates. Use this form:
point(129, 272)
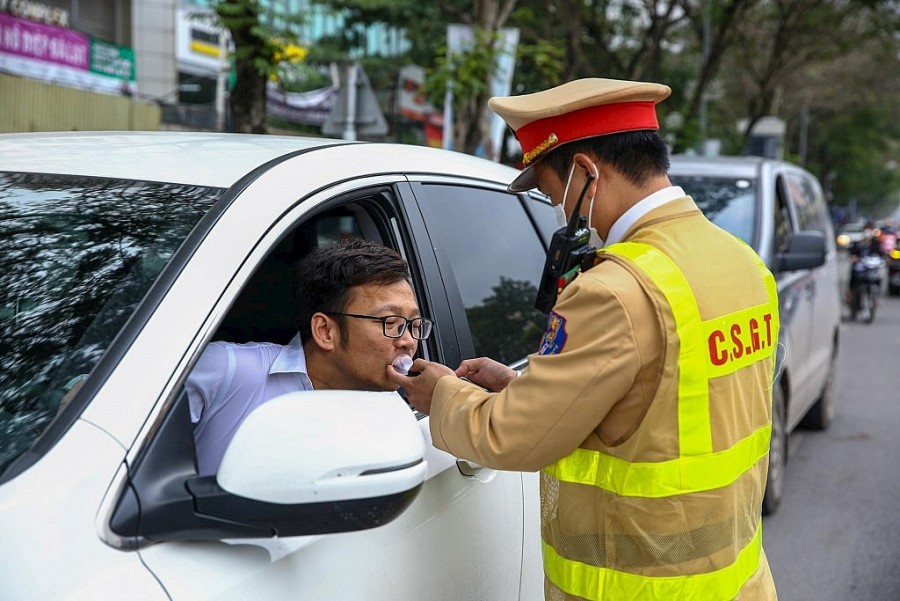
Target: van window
point(804, 195)
point(729, 202)
point(783, 227)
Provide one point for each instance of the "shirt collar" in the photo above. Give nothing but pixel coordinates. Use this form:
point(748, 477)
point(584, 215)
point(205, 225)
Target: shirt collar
point(639, 209)
point(291, 358)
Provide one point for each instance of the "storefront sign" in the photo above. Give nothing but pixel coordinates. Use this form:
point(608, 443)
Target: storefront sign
point(112, 60)
point(64, 56)
point(44, 42)
point(36, 11)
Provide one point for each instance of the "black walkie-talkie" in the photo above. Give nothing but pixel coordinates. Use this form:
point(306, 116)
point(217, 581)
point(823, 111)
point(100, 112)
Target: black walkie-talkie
point(569, 248)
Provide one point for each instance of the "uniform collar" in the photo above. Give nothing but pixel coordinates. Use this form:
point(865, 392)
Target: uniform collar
point(642, 207)
point(291, 358)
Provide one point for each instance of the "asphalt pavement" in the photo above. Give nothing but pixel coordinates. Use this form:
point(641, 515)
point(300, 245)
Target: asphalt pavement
point(836, 535)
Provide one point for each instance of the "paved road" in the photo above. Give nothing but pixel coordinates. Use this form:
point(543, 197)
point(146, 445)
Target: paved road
point(836, 535)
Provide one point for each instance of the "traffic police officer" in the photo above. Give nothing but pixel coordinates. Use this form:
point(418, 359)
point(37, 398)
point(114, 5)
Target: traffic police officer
point(648, 407)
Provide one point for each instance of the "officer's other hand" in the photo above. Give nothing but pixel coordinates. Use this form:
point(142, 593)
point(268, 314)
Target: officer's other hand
point(487, 373)
point(420, 383)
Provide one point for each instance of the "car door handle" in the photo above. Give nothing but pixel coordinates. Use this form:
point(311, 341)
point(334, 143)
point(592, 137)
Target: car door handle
point(468, 468)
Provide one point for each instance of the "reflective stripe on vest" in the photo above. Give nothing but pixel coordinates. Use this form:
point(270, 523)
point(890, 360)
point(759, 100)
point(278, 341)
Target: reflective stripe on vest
point(596, 584)
point(707, 350)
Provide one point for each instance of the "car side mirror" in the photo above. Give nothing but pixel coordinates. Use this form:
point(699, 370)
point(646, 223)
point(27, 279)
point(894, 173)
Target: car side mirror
point(302, 464)
point(318, 462)
point(806, 250)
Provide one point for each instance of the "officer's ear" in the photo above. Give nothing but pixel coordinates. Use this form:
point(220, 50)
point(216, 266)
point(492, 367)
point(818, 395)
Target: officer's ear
point(587, 163)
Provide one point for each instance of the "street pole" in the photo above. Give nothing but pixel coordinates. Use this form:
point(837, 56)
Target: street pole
point(222, 80)
point(804, 132)
point(707, 16)
point(350, 106)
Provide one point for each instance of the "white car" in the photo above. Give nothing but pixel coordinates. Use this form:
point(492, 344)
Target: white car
point(123, 254)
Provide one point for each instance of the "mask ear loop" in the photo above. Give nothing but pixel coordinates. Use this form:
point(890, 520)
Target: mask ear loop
point(593, 198)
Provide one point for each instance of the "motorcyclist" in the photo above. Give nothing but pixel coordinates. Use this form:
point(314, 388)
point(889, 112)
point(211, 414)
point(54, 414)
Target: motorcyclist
point(867, 246)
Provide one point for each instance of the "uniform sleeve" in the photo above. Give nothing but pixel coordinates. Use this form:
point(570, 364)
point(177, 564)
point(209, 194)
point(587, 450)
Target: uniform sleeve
point(205, 380)
point(588, 361)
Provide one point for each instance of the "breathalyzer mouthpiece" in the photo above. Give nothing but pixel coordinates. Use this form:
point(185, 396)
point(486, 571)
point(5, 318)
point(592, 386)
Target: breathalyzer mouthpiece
point(402, 364)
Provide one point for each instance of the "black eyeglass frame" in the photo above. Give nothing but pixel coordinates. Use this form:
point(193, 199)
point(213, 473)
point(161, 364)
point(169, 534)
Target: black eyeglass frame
point(424, 323)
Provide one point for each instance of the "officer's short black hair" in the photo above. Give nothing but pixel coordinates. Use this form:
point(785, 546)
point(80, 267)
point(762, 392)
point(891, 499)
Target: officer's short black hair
point(323, 279)
point(637, 155)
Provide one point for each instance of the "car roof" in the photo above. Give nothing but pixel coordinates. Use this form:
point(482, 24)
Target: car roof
point(730, 166)
point(199, 158)
point(219, 159)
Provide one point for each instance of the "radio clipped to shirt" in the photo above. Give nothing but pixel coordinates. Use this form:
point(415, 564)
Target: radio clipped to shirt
point(570, 253)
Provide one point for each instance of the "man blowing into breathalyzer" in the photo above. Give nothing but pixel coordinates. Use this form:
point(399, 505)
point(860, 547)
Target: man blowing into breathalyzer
point(647, 407)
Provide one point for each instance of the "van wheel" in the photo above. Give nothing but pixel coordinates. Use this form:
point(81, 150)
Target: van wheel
point(821, 414)
point(778, 452)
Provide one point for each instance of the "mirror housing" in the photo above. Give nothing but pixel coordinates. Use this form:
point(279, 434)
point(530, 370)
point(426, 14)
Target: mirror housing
point(806, 250)
point(338, 445)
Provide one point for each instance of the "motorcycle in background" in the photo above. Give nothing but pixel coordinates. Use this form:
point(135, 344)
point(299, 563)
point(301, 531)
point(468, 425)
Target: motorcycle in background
point(865, 287)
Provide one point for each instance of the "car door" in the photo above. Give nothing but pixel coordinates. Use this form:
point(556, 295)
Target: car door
point(461, 538)
point(490, 247)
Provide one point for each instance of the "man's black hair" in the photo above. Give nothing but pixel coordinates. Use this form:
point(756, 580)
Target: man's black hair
point(637, 155)
point(323, 279)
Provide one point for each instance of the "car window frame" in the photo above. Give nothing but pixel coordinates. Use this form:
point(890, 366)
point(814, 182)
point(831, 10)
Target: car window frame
point(445, 266)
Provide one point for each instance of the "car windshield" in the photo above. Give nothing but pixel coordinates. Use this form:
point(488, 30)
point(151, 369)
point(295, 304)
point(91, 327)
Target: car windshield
point(77, 255)
point(729, 202)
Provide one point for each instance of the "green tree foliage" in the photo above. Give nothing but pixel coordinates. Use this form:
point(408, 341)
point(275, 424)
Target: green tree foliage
point(258, 57)
point(466, 73)
point(729, 63)
point(829, 70)
point(852, 158)
point(466, 76)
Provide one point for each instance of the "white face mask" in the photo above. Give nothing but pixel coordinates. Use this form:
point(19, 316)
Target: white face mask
point(596, 240)
point(561, 220)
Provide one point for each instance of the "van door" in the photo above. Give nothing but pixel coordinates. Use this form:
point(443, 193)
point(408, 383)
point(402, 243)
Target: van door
point(807, 198)
point(796, 291)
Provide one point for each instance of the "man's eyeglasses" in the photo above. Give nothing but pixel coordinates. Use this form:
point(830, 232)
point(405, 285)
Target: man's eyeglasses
point(394, 326)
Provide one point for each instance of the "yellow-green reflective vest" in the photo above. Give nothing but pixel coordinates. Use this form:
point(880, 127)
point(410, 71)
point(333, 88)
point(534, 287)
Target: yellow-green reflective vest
point(698, 468)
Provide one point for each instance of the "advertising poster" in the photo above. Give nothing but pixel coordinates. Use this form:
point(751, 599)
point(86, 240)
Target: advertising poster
point(65, 57)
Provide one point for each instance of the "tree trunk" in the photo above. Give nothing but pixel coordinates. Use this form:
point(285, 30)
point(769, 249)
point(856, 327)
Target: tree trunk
point(471, 127)
point(248, 100)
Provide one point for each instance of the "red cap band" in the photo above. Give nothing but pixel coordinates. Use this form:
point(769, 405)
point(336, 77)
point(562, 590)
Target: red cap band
point(541, 135)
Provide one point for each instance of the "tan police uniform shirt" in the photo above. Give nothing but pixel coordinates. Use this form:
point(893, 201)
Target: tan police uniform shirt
point(601, 386)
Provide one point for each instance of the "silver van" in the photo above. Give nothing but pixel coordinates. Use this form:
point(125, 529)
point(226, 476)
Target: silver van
point(778, 208)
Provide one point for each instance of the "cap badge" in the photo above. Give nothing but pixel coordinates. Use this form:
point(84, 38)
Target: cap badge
point(538, 150)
